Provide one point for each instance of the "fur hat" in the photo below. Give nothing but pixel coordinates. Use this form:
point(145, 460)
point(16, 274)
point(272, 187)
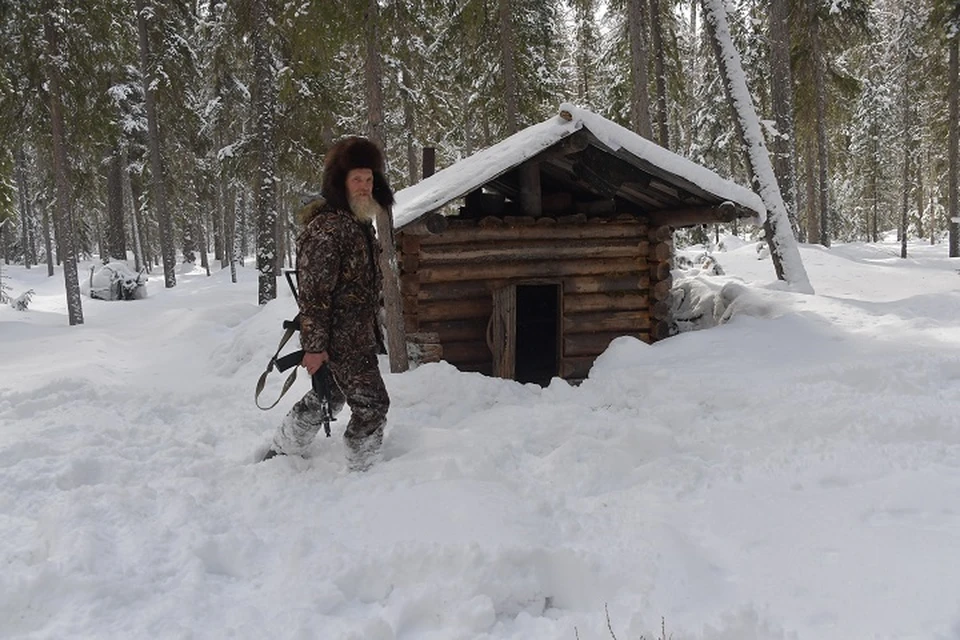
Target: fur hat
point(349, 153)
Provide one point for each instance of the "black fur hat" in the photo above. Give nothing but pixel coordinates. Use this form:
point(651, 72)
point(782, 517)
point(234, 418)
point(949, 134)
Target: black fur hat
point(349, 153)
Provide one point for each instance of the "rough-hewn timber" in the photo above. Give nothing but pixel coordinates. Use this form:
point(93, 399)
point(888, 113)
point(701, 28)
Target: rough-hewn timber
point(614, 276)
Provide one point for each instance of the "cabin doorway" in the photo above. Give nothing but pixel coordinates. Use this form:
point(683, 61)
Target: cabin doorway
point(526, 332)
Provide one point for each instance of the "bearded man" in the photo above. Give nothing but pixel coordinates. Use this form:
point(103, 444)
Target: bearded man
point(339, 284)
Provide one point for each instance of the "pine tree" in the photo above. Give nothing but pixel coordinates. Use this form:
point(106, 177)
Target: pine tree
point(781, 96)
point(66, 238)
point(157, 177)
point(953, 93)
point(586, 51)
point(265, 104)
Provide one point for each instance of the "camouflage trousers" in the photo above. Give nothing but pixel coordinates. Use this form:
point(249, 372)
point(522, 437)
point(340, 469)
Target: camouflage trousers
point(360, 386)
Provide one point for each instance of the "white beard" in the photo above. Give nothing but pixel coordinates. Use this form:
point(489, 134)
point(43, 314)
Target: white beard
point(365, 208)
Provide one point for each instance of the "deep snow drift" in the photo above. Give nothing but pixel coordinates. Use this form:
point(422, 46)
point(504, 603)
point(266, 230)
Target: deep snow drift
point(792, 473)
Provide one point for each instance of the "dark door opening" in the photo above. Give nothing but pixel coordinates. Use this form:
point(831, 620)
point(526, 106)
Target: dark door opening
point(538, 335)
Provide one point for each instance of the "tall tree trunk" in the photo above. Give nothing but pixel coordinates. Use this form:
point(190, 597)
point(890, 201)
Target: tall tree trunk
point(409, 120)
point(140, 220)
point(157, 178)
point(781, 94)
point(693, 63)
point(188, 227)
point(116, 237)
point(875, 169)
point(396, 337)
point(819, 81)
point(907, 115)
point(47, 239)
point(138, 260)
point(953, 210)
point(918, 192)
point(216, 219)
point(240, 230)
point(656, 29)
point(373, 74)
point(507, 66)
point(64, 228)
point(204, 198)
point(467, 127)
point(231, 224)
point(783, 246)
point(226, 209)
point(280, 233)
point(24, 199)
point(202, 239)
point(266, 160)
point(584, 40)
point(639, 55)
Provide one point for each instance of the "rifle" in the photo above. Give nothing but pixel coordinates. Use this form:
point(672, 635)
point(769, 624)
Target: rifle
point(322, 380)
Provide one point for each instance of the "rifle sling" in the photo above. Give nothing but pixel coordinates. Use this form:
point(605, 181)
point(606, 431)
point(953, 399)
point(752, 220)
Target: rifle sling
point(281, 364)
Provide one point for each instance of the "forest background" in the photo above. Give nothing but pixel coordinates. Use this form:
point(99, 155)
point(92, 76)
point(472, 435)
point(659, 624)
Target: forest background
point(172, 129)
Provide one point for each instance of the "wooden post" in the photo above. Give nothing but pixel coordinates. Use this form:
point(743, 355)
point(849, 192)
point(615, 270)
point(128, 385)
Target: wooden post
point(429, 161)
point(530, 197)
point(396, 338)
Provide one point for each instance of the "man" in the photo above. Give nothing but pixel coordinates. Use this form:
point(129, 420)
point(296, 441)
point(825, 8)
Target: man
point(339, 296)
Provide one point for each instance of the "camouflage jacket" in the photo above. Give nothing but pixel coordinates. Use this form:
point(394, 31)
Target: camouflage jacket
point(338, 276)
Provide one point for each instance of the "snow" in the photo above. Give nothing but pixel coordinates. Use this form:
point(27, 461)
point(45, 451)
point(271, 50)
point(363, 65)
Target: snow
point(790, 473)
point(470, 173)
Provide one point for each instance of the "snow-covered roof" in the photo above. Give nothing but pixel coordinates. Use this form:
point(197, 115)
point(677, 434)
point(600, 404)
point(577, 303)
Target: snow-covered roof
point(477, 170)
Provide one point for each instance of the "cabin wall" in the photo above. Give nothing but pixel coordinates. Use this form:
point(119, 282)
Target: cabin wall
point(614, 276)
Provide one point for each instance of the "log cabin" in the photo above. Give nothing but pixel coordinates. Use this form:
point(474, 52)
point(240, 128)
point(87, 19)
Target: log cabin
point(526, 259)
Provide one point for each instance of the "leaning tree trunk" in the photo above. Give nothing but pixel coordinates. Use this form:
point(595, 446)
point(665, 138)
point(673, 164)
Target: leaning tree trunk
point(157, 180)
point(783, 245)
point(953, 211)
point(64, 228)
point(639, 93)
point(396, 337)
point(266, 161)
point(781, 96)
point(507, 66)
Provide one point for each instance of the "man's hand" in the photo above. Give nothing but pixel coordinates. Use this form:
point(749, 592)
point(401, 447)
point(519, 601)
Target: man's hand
point(313, 361)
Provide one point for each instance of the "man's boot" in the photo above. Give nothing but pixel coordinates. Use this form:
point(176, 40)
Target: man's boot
point(363, 453)
point(271, 453)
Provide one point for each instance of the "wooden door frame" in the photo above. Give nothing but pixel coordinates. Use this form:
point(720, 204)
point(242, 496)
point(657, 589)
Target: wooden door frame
point(502, 327)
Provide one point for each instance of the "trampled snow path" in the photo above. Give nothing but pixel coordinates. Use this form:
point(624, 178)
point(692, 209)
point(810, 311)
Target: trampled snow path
point(791, 474)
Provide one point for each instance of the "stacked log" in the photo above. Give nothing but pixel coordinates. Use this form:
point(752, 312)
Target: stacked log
point(424, 347)
point(602, 267)
point(661, 281)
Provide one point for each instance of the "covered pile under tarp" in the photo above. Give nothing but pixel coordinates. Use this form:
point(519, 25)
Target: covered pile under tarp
point(116, 281)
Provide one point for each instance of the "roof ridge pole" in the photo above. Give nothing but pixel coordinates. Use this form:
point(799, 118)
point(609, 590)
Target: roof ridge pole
point(779, 235)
